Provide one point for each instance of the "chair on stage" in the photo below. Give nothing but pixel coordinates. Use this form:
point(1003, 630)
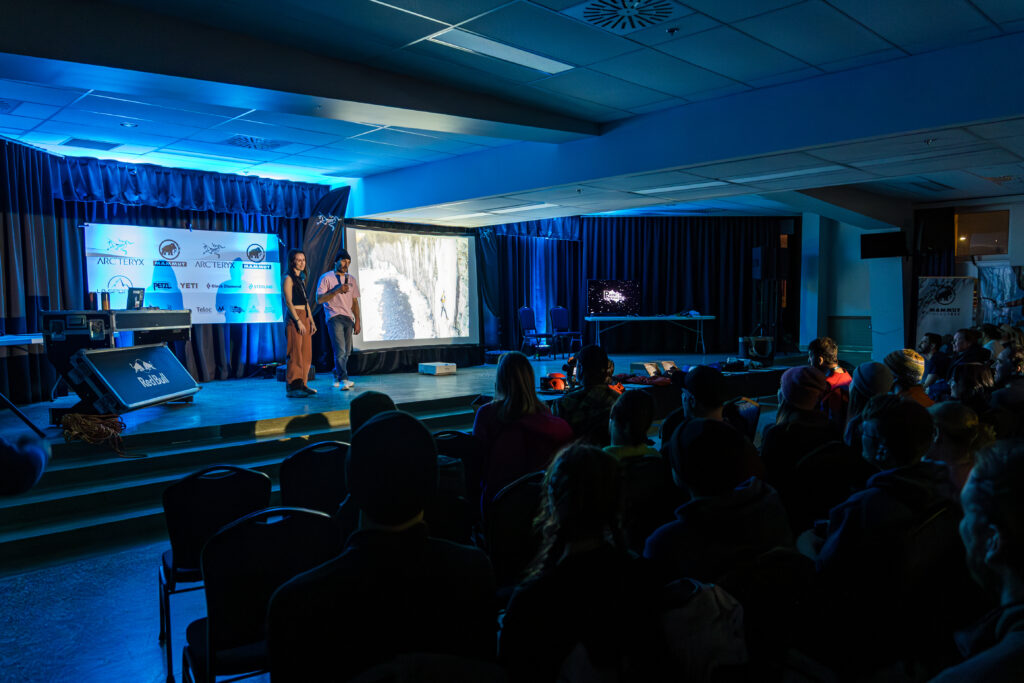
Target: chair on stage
point(313, 477)
point(243, 564)
point(531, 337)
point(562, 334)
point(195, 508)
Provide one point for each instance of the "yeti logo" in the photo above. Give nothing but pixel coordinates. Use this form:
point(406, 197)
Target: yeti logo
point(212, 250)
point(118, 283)
point(141, 366)
point(255, 253)
point(119, 246)
point(169, 249)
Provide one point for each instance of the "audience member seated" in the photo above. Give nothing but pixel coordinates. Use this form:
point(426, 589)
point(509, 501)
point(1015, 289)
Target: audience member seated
point(992, 531)
point(823, 355)
point(366, 405)
point(21, 464)
point(972, 385)
point(732, 517)
point(892, 549)
point(967, 349)
point(990, 339)
point(907, 368)
point(1009, 387)
point(588, 603)
point(936, 363)
point(869, 380)
point(958, 435)
point(703, 395)
point(649, 495)
point(393, 589)
point(799, 427)
point(587, 409)
point(518, 433)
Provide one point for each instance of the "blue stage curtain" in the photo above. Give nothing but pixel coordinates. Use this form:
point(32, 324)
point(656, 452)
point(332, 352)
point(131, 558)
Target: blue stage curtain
point(567, 228)
point(114, 182)
point(682, 263)
point(41, 259)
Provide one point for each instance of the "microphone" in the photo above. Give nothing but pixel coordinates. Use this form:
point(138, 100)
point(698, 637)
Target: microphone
point(346, 278)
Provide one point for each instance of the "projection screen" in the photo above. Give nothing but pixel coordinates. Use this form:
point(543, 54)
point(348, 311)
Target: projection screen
point(415, 289)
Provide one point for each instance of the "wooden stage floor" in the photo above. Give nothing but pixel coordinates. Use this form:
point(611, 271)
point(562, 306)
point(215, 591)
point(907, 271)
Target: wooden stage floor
point(253, 400)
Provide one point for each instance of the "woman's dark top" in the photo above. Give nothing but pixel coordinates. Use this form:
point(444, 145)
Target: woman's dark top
point(298, 291)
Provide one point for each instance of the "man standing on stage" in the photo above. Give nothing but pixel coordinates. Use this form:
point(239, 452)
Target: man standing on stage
point(339, 293)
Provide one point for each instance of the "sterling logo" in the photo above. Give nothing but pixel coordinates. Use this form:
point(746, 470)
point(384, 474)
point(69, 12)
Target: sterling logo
point(141, 366)
point(169, 249)
point(255, 253)
point(118, 283)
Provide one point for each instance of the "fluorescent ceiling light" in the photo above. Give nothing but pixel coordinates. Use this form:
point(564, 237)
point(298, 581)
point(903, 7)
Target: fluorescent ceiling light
point(676, 188)
point(529, 207)
point(471, 42)
point(787, 174)
point(463, 216)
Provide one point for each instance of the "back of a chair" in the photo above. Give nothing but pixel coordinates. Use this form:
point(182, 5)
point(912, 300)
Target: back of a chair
point(527, 321)
point(467, 448)
point(245, 562)
point(559, 319)
point(651, 498)
point(511, 539)
point(314, 477)
point(199, 505)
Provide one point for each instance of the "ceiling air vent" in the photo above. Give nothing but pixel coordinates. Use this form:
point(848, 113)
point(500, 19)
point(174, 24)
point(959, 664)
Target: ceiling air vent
point(625, 16)
point(91, 144)
point(7, 106)
point(253, 142)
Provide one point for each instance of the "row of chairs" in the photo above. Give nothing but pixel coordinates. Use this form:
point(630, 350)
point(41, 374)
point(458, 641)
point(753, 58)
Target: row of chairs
point(561, 339)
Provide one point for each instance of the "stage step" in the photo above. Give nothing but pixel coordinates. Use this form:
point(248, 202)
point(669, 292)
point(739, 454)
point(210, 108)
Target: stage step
point(90, 500)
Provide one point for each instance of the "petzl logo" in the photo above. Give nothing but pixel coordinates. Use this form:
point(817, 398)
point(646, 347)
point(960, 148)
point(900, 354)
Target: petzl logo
point(162, 285)
point(118, 283)
point(255, 253)
point(141, 366)
point(169, 249)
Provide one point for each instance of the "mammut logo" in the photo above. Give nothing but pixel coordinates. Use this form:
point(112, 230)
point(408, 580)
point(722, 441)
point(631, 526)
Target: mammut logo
point(169, 249)
point(255, 253)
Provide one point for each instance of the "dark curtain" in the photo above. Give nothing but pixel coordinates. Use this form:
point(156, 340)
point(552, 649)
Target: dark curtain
point(933, 255)
point(41, 253)
point(683, 264)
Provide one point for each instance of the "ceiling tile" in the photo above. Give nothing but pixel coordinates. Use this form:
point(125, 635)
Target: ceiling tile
point(916, 25)
point(35, 111)
point(131, 135)
point(600, 88)
point(933, 143)
point(398, 138)
point(999, 129)
point(814, 32)
point(658, 71)
point(1001, 11)
point(26, 92)
point(132, 109)
point(757, 166)
point(946, 163)
point(677, 28)
point(571, 106)
point(659, 106)
point(646, 180)
point(863, 60)
point(19, 123)
point(1015, 145)
point(446, 10)
point(490, 65)
point(825, 179)
point(216, 110)
point(263, 130)
point(317, 123)
point(546, 33)
point(726, 51)
point(231, 151)
point(113, 122)
point(729, 11)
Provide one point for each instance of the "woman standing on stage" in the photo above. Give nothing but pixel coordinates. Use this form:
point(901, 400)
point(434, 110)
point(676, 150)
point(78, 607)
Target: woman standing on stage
point(299, 327)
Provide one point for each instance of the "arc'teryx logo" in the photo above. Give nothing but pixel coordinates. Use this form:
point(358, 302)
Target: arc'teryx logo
point(212, 250)
point(119, 246)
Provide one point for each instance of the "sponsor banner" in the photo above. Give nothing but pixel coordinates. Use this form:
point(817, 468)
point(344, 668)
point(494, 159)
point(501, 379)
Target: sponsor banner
point(219, 276)
point(944, 304)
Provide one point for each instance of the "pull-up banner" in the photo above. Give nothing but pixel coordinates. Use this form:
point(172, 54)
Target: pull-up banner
point(232, 277)
point(944, 304)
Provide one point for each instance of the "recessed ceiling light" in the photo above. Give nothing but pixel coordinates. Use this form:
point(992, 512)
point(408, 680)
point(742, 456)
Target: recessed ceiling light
point(471, 42)
point(129, 124)
point(787, 174)
point(464, 216)
point(963, 239)
point(528, 207)
point(677, 188)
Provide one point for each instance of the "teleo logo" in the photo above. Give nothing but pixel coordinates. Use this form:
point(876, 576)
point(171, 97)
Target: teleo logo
point(118, 283)
point(169, 249)
point(204, 309)
point(255, 253)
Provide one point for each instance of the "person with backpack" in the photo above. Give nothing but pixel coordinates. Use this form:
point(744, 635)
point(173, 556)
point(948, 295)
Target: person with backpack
point(823, 355)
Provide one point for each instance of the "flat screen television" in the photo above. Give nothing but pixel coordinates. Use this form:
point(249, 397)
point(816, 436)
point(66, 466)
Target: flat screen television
point(882, 245)
point(613, 297)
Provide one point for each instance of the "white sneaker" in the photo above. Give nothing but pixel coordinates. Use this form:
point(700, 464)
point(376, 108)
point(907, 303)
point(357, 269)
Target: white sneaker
point(336, 384)
point(348, 384)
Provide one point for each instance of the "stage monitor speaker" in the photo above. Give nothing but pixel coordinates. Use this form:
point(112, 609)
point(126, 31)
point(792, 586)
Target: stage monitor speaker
point(129, 378)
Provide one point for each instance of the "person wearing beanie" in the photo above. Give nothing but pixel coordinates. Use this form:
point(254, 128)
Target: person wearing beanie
point(799, 428)
point(587, 409)
point(731, 515)
point(823, 355)
point(338, 291)
point(394, 589)
point(869, 380)
point(702, 394)
point(365, 406)
point(907, 367)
